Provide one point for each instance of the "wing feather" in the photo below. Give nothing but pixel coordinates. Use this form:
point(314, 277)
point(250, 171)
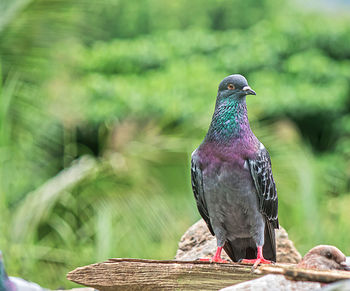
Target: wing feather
point(261, 171)
point(198, 191)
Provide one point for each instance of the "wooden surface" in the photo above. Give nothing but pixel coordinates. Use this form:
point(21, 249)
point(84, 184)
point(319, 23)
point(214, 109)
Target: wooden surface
point(136, 274)
point(293, 273)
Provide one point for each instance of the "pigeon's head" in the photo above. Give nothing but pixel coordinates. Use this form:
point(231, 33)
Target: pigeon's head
point(325, 257)
point(235, 87)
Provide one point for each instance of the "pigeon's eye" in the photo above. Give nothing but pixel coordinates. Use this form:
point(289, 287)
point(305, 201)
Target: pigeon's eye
point(230, 87)
point(328, 255)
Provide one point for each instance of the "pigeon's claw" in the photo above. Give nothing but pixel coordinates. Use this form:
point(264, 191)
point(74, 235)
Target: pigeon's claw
point(219, 260)
point(205, 260)
point(259, 260)
point(256, 262)
point(216, 258)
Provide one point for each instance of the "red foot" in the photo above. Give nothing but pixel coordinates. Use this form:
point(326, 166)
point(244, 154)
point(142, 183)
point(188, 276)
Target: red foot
point(259, 260)
point(219, 260)
point(216, 258)
point(256, 262)
point(205, 260)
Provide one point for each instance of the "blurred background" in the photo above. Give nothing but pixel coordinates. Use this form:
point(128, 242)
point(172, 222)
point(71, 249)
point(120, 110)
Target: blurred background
point(103, 102)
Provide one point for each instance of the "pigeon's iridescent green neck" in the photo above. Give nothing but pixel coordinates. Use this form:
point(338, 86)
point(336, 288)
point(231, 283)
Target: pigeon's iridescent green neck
point(229, 121)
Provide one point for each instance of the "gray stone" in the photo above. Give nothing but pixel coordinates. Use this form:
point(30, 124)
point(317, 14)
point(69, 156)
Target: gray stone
point(343, 285)
point(274, 283)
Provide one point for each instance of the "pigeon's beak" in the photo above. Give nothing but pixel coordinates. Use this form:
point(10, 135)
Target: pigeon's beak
point(345, 266)
point(248, 90)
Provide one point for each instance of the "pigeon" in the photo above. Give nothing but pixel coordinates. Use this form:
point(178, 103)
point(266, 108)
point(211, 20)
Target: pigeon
point(324, 257)
point(15, 284)
point(232, 181)
point(5, 283)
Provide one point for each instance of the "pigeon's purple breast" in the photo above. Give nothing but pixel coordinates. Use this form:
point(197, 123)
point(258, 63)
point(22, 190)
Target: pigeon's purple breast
point(236, 153)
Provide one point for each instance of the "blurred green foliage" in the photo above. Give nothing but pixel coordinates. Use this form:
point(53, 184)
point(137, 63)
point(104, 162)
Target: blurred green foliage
point(102, 104)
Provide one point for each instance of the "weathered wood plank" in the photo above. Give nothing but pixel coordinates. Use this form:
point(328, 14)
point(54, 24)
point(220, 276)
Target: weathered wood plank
point(137, 274)
point(294, 273)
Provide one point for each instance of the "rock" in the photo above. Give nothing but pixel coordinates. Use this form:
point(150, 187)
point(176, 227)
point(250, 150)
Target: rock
point(274, 283)
point(197, 242)
point(286, 251)
point(343, 285)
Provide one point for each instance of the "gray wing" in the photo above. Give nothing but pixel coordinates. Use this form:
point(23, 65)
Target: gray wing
point(261, 171)
point(198, 191)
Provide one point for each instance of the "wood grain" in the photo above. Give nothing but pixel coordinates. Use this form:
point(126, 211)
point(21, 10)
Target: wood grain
point(294, 273)
point(137, 274)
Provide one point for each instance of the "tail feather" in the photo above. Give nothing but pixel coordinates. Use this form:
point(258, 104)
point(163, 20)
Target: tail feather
point(239, 249)
point(246, 248)
point(269, 248)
